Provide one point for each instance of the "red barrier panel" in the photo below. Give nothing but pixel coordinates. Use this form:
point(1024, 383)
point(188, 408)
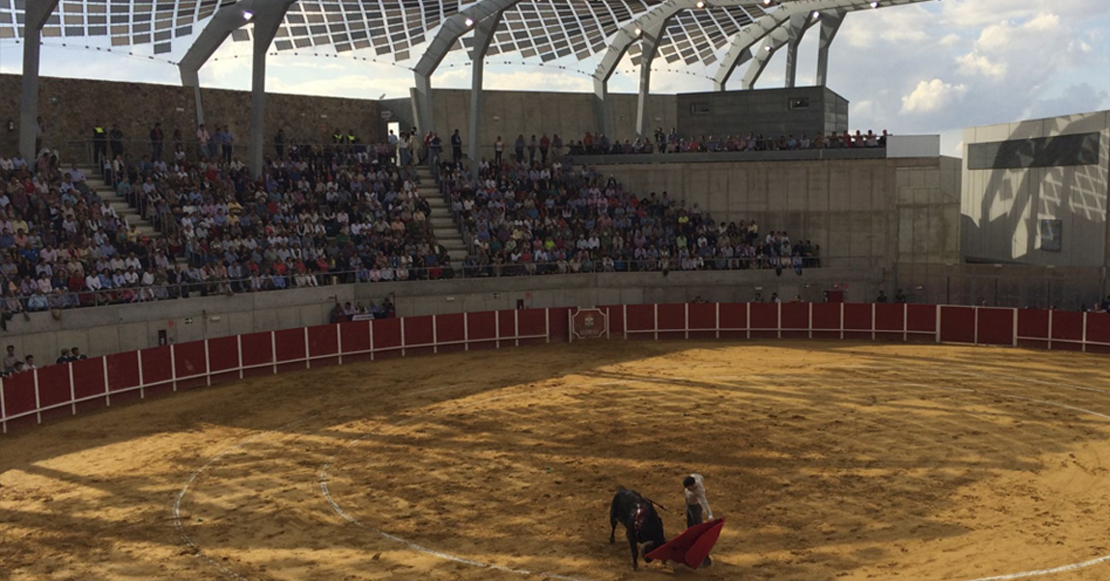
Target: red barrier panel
point(1098, 334)
point(289, 347)
point(88, 382)
point(323, 345)
point(258, 354)
point(558, 325)
point(857, 321)
point(482, 330)
point(703, 320)
point(734, 320)
point(19, 398)
point(190, 362)
point(387, 338)
point(54, 391)
point(1033, 328)
point(506, 328)
point(764, 320)
point(532, 323)
point(640, 322)
point(672, 321)
point(223, 358)
point(450, 329)
point(615, 320)
point(795, 320)
point(355, 339)
point(957, 324)
point(826, 320)
point(418, 331)
point(921, 323)
point(890, 321)
point(123, 374)
point(157, 369)
point(1067, 331)
point(996, 326)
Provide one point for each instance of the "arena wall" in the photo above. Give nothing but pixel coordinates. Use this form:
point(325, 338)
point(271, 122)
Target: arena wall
point(1007, 197)
point(116, 328)
point(863, 213)
point(70, 107)
point(58, 391)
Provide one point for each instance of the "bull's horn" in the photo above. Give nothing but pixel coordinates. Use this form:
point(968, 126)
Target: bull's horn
point(641, 548)
point(646, 548)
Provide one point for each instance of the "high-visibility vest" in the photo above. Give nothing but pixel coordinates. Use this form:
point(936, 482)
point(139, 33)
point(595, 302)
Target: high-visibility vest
point(99, 131)
point(338, 137)
point(352, 138)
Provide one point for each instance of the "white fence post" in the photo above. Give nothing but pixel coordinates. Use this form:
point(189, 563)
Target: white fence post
point(339, 343)
point(207, 364)
point(107, 393)
point(38, 400)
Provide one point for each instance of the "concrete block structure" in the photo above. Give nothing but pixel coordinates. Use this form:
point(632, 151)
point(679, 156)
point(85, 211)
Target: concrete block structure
point(1035, 192)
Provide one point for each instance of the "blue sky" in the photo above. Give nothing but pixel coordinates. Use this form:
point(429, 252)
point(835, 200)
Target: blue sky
point(935, 67)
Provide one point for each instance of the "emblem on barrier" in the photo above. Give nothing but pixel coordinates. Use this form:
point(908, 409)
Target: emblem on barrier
point(589, 324)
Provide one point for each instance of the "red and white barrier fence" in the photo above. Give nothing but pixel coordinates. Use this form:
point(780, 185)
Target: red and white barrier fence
point(61, 390)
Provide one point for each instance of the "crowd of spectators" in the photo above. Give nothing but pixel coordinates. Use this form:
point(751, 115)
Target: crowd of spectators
point(671, 142)
point(521, 219)
point(13, 363)
point(322, 214)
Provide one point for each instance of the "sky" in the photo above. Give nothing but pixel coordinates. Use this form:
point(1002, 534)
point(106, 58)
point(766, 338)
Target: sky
point(929, 68)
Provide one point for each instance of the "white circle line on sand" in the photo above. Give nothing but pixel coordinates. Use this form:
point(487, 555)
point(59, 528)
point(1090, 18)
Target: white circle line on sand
point(185, 538)
point(417, 547)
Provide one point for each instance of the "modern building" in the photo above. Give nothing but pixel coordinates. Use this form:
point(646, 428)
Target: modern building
point(1035, 192)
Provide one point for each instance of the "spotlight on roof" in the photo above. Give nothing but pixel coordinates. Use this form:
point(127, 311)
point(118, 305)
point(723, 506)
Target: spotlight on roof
point(768, 2)
point(247, 15)
point(875, 4)
point(816, 15)
point(638, 32)
point(469, 22)
point(767, 48)
point(700, 4)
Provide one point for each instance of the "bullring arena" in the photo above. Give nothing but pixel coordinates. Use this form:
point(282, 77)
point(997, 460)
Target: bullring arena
point(839, 442)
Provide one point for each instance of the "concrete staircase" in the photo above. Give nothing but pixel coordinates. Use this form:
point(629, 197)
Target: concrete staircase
point(443, 224)
point(119, 203)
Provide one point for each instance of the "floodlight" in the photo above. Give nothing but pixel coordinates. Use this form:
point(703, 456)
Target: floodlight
point(700, 4)
point(247, 15)
point(638, 32)
point(875, 4)
point(469, 22)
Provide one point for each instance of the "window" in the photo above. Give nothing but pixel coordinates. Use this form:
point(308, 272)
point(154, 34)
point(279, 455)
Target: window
point(1052, 235)
point(799, 103)
point(1066, 150)
point(700, 109)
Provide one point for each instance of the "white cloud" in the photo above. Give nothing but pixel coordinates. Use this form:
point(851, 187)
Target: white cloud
point(931, 96)
point(972, 64)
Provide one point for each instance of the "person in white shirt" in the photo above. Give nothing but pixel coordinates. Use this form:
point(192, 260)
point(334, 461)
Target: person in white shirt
point(696, 503)
point(695, 500)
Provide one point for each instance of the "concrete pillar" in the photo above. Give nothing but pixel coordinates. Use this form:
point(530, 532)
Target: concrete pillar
point(422, 104)
point(35, 16)
point(830, 25)
point(267, 19)
point(792, 43)
point(721, 80)
point(483, 34)
point(601, 106)
point(650, 46)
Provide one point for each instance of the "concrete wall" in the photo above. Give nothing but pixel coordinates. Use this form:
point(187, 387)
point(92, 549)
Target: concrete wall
point(512, 113)
point(110, 329)
point(766, 111)
point(863, 213)
point(1009, 285)
point(70, 107)
point(1002, 208)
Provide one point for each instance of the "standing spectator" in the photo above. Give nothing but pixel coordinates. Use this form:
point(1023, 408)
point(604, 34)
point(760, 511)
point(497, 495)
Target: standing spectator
point(545, 145)
point(899, 296)
point(519, 147)
point(435, 148)
point(498, 149)
point(227, 143)
point(40, 133)
point(65, 358)
point(279, 144)
point(532, 150)
point(29, 363)
point(157, 143)
point(10, 360)
point(203, 137)
point(115, 141)
point(456, 146)
point(178, 139)
point(556, 147)
point(76, 355)
point(881, 298)
point(100, 140)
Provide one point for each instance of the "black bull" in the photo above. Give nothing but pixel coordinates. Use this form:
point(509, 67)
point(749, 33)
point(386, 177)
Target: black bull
point(642, 524)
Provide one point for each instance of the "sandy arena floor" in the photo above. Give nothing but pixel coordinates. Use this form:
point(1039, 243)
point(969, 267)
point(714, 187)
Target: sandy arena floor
point(829, 460)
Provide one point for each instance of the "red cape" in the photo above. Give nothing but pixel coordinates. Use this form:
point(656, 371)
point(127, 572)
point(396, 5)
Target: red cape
point(692, 546)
